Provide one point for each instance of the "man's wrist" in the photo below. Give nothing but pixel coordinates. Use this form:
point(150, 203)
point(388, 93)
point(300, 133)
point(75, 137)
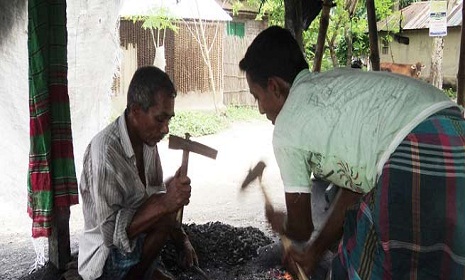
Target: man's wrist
point(180, 238)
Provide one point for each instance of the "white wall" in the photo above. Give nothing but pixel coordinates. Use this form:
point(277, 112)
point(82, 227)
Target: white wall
point(14, 113)
point(419, 49)
point(93, 55)
point(93, 50)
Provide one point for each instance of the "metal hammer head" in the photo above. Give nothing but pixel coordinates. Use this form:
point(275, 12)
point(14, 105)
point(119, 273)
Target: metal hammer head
point(253, 174)
point(178, 143)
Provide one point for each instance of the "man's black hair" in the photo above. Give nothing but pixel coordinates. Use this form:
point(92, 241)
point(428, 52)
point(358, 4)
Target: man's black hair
point(274, 52)
point(146, 83)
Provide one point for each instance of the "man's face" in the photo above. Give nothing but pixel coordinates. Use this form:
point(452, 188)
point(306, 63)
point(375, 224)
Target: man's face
point(268, 101)
point(152, 125)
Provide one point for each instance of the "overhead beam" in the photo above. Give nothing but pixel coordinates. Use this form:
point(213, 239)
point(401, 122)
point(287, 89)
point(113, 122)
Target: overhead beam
point(293, 19)
point(373, 34)
point(461, 72)
point(320, 45)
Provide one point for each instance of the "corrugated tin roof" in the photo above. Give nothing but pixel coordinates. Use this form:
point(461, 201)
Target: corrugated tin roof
point(416, 16)
point(186, 9)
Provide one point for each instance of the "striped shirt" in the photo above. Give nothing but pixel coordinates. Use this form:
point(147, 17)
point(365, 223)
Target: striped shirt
point(111, 192)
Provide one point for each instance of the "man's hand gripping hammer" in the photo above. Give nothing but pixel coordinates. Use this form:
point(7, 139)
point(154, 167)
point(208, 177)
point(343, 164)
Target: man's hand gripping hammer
point(253, 174)
point(186, 145)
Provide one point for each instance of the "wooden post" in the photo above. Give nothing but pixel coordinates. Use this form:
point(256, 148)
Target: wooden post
point(437, 55)
point(373, 34)
point(293, 19)
point(320, 45)
point(58, 242)
point(461, 72)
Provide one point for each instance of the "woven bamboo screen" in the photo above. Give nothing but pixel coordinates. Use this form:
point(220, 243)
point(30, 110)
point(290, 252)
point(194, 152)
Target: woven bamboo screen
point(236, 89)
point(184, 62)
point(190, 72)
point(143, 39)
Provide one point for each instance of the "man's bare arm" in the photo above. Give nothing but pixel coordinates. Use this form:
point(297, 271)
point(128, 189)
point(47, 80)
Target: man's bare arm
point(149, 214)
point(159, 206)
point(299, 225)
point(331, 230)
point(329, 234)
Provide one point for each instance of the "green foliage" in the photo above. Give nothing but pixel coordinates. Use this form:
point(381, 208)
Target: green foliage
point(159, 19)
point(360, 41)
point(383, 8)
point(159, 23)
point(310, 37)
point(273, 9)
point(236, 6)
point(360, 38)
point(452, 94)
point(199, 123)
point(357, 25)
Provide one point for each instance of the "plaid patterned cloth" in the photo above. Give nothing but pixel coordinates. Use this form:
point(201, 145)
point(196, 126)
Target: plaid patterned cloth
point(412, 225)
point(51, 176)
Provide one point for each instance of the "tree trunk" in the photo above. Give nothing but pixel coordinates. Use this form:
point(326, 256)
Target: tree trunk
point(435, 74)
point(293, 19)
point(350, 54)
point(332, 52)
point(332, 45)
point(349, 6)
point(373, 35)
point(461, 72)
point(324, 22)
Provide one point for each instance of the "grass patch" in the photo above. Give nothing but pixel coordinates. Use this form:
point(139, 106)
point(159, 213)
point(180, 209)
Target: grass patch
point(242, 113)
point(200, 123)
point(197, 123)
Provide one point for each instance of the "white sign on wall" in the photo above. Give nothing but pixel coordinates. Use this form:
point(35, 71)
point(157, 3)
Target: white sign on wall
point(438, 18)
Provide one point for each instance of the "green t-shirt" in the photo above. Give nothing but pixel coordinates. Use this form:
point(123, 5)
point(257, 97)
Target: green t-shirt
point(345, 123)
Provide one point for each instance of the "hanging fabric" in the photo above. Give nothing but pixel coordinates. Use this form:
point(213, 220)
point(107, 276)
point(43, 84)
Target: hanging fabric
point(51, 176)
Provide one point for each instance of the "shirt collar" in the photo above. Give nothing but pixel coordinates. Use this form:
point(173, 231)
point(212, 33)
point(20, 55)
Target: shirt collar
point(123, 132)
point(300, 75)
point(297, 79)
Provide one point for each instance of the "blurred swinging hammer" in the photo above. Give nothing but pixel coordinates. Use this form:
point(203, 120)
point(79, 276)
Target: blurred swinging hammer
point(186, 145)
point(253, 174)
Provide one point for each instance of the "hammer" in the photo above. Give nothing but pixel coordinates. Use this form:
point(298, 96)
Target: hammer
point(253, 174)
point(186, 145)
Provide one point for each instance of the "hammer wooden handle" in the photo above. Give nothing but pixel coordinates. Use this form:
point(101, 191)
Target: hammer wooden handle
point(287, 243)
point(257, 172)
point(183, 172)
point(184, 164)
point(179, 143)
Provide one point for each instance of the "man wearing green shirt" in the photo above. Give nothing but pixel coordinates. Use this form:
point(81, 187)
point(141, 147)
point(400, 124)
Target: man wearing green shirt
point(395, 146)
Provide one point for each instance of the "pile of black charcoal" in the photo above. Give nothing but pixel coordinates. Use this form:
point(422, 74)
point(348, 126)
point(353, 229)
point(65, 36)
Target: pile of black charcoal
point(224, 252)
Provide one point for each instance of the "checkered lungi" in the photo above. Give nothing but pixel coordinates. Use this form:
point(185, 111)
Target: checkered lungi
point(412, 224)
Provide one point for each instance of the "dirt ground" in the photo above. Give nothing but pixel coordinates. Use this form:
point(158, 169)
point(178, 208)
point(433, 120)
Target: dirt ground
point(216, 197)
